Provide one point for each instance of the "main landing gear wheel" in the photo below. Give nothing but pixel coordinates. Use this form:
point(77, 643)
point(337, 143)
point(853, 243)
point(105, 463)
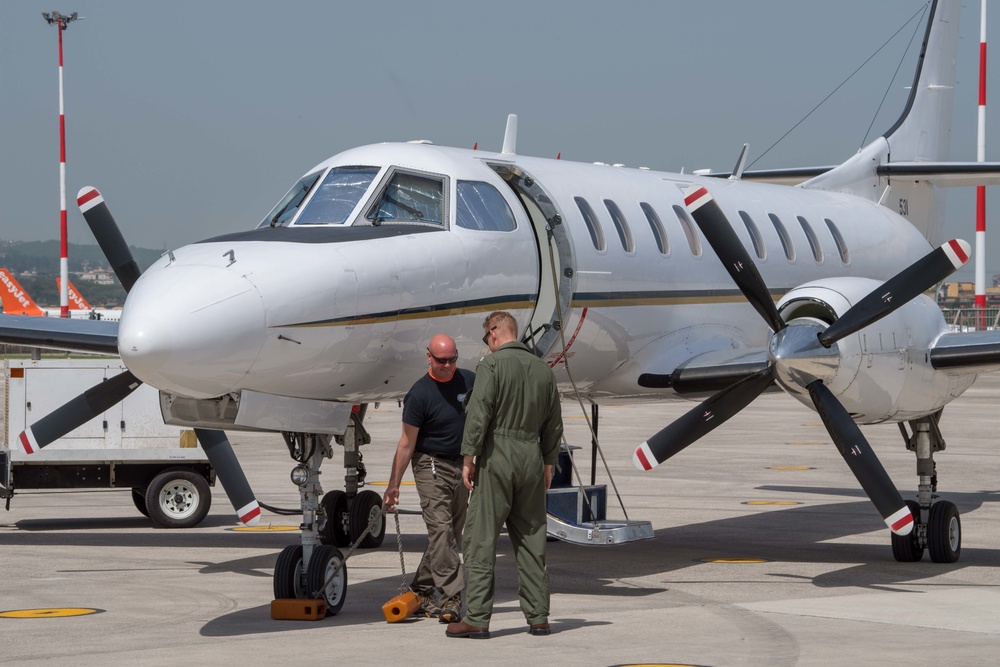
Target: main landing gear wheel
point(289, 582)
point(366, 505)
point(944, 532)
point(333, 589)
point(335, 530)
point(178, 498)
point(906, 548)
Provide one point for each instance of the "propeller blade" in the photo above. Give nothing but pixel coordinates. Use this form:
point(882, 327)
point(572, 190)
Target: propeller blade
point(720, 235)
point(861, 459)
point(78, 411)
point(108, 236)
point(917, 278)
point(701, 420)
point(230, 474)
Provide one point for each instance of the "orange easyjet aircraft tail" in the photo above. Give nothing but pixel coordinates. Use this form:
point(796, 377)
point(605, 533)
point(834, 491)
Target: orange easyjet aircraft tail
point(76, 300)
point(15, 299)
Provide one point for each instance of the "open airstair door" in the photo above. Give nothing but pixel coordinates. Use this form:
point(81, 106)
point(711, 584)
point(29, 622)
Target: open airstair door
point(552, 239)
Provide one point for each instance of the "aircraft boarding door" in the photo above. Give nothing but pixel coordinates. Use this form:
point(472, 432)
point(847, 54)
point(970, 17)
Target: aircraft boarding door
point(555, 288)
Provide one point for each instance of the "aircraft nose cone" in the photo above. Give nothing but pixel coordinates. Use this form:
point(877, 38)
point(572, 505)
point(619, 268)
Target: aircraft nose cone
point(192, 330)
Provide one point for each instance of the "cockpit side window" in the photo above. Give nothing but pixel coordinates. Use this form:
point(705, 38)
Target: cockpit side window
point(289, 204)
point(410, 197)
point(337, 196)
point(481, 207)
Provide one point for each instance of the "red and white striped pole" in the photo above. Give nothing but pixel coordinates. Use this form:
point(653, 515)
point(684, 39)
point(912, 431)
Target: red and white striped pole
point(981, 189)
point(62, 22)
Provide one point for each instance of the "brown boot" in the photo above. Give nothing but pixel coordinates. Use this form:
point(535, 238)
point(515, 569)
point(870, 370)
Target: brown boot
point(463, 629)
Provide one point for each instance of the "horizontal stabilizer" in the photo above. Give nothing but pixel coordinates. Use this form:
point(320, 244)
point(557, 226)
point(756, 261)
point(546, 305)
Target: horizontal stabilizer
point(943, 174)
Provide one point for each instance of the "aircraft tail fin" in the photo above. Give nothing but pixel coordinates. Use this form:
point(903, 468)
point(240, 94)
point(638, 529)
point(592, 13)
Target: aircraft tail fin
point(76, 300)
point(15, 300)
point(922, 134)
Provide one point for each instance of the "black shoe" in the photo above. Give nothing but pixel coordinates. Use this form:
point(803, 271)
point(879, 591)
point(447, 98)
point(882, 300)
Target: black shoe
point(539, 629)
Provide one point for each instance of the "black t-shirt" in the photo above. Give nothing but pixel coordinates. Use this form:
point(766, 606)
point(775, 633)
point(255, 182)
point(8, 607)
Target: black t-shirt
point(436, 409)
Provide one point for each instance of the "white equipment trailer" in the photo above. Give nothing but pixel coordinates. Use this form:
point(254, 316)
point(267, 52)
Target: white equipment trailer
point(128, 447)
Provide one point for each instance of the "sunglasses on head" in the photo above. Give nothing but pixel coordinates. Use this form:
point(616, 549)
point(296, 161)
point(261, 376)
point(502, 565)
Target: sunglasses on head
point(486, 336)
point(443, 360)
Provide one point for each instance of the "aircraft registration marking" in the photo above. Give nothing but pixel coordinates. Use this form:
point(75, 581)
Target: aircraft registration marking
point(51, 612)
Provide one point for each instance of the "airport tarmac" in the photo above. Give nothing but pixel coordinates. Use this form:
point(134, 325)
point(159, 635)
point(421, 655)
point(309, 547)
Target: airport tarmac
point(766, 552)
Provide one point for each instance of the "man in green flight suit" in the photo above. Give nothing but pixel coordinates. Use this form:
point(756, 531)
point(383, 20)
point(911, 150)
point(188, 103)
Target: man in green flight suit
point(513, 427)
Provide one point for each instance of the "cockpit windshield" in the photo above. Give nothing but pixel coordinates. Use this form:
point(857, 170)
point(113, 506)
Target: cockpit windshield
point(410, 197)
point(337, 196)
point(289, 204)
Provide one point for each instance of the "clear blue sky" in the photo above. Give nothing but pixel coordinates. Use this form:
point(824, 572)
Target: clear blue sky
point(193, 118)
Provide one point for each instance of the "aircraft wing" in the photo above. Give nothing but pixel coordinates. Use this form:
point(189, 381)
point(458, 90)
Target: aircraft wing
point(971, 351)
point(944, 174)
point(92, 336)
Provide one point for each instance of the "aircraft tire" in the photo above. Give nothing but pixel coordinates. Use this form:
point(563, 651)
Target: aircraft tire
point(178, 498)
point(944, 532)
point(139, 500)
point(905, 548)
point(365, 505)
point(288, 579)
point(324, 559)
point(334, 531)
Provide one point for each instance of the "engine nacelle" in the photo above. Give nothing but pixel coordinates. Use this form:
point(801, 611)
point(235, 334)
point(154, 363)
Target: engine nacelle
point(884, 371)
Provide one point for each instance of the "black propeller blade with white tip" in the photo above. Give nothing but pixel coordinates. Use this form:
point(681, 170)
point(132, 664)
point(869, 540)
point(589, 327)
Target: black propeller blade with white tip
point(915, 279)
point(102, 224)
point(862, 460)
point(720, 235)
point(77, 412)
point(701, 420)
point(103, 396)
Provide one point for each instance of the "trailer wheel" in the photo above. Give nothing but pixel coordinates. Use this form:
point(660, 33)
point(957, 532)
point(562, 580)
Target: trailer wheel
point(178, 498)
point(139, 500)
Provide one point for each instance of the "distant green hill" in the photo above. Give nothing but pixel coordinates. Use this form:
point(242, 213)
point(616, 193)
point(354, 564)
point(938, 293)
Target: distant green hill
point(41, 258)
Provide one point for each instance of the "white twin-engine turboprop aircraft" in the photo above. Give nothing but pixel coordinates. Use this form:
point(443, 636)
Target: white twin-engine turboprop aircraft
point(649, 285)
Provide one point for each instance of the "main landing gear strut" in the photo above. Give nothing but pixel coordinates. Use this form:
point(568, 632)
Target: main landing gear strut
point(315, 567)
point(936, 525)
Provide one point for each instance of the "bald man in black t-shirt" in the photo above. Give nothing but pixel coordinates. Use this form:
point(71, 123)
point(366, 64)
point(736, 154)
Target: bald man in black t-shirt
point(433, 422)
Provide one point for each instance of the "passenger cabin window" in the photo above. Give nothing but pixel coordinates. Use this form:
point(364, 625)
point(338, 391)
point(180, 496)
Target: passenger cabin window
point(687, 224)
point(480, 206)
point(845, 256)
point(621, 224)
point(593, 225)
point(289, 204)
point(409, 197)
point(337, 196)
point(817, 250)
point(786, 241)
point(755, 237)
point(654, 224)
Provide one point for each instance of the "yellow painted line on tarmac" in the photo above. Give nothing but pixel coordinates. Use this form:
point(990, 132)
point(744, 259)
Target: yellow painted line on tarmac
point(262, 529)
point(771, 502)
point(51, 612)
point(736, 561)
point(790, 468)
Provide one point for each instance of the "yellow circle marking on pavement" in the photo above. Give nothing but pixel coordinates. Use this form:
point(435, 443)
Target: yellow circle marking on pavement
point(733, 560)
point(790, 468)
point(771, 502)
point(406, 483)
point(52, 612)
point(262, 529)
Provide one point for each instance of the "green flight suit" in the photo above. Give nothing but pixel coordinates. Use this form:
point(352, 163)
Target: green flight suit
point(513, 425)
